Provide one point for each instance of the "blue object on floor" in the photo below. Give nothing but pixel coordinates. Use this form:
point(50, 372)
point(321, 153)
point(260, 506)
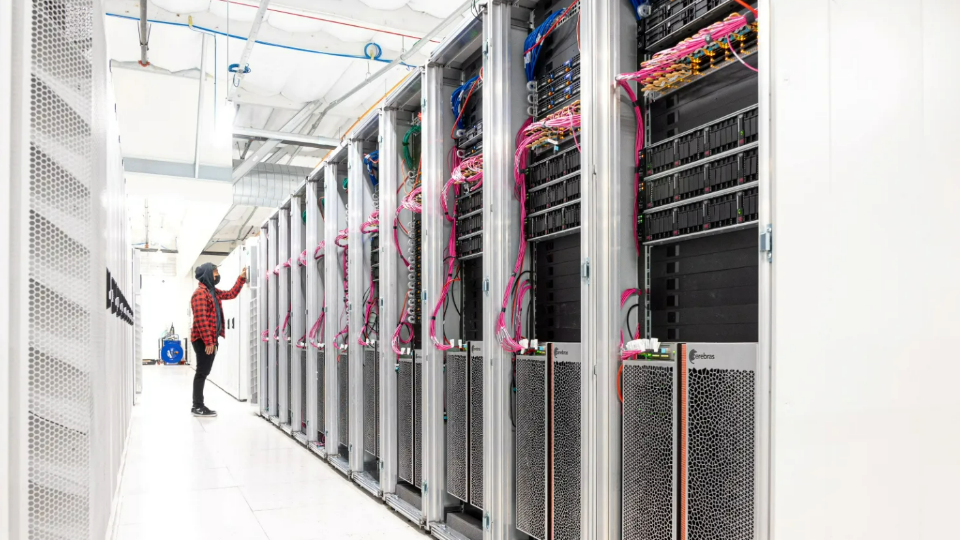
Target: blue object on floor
point(171, 352)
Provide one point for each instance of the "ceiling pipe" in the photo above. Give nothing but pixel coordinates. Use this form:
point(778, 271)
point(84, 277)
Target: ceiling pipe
point(284, 137)
point(144, 34)
point(269, 145)
point(203, 76)
point(293, 124)
point(251, 40)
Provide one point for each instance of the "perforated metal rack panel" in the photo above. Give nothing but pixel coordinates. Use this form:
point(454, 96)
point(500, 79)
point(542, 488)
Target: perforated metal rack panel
point(62, 304)
point(476, 426)
point(343, 397)
point(566, 442)
point(649, 450)
point(720, 381)
point(321, 395)
point(254, 344)
point(371, 401)
point(303, 390)
point(457, 414)
point(405, 419)
point(417, 421)
point(531, 445)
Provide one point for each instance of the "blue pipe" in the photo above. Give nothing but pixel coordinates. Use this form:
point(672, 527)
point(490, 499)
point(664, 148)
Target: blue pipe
point(267, 43)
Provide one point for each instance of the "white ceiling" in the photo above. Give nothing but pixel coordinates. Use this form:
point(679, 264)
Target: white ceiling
point(307, 50)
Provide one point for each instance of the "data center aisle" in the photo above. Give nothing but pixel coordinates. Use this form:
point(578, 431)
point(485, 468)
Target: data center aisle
point(233, 477)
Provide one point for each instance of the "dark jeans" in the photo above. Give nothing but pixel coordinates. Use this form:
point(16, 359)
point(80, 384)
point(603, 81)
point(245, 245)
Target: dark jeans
point(204, 364)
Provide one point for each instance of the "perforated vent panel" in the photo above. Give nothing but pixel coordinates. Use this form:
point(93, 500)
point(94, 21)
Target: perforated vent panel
point(649, 450)
point(405, 420)
point(343, 398)
point(417, 424)
point(321, 396)
point(566, 450)
point(303, 389)
point(456, 376)
point(720, 454)
point(61, 295)
point(371, 402)
point(476, 430)
point(531, 449)
point(253, 344)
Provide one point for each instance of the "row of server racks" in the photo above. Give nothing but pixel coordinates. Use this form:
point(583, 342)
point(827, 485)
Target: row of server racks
point(520, 300)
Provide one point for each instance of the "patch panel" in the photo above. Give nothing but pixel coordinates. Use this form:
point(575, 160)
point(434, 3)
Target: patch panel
point(725, 172)
point(470, 136)
point(558, 100)
point(723, 210)
point(729, 132)
point(416, 232)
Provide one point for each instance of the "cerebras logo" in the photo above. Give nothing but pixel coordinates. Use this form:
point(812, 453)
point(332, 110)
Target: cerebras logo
point(693, 356)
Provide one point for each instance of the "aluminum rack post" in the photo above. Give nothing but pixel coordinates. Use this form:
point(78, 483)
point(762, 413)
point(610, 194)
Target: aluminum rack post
point(264, 324)
point(436, 232)
point(390, 177)
point(504, 110)
point(360, 204)
point(273, 344)
point(314, 302)
point(335, 220)
point(296, 313)
point(608, 31)
point(283, 308)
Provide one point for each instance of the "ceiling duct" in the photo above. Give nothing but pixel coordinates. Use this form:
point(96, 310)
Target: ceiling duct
point(267, 184)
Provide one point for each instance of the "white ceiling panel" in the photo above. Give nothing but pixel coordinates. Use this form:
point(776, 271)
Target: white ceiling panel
point(157, 115)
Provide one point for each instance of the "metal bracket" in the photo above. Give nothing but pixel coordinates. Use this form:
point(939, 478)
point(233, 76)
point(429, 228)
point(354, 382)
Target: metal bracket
point(486, 286)
point(486, 521)
point(766, 243)
point(486, 48)
point(585, 270)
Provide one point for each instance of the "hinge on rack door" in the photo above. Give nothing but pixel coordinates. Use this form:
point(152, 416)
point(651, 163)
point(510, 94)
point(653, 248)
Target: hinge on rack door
point(766, 243)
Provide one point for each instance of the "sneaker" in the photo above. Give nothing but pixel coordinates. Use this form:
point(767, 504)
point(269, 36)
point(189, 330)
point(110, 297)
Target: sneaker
point(203, 412)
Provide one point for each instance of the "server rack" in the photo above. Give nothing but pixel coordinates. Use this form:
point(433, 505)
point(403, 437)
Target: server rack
point(315, 317)
point(284, 315)
point(363, 276)
point(336, 294)
point(698, 269)
point(264, 333)
point(273, 347)
point(298, 330)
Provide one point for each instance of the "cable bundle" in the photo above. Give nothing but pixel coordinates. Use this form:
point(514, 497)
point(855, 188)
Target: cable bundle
point(412, 202)
point(318, 253)
point(265, 336)
point(340, 242)
point(534, 41)
point(411, 158)
point(459, 100)
point(371, 226)
point(372, 162)
point(317, 328)
point(673, 65)
point(286, 324)
point(469, 171)
point(302, 259)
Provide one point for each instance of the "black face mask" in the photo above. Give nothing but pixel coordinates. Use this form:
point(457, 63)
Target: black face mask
point(216, 279)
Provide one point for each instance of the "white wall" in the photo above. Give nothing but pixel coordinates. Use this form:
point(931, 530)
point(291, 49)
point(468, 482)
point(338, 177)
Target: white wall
point(866, 301)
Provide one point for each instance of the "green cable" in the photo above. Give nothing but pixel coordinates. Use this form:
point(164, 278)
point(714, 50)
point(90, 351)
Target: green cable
point(409, 159)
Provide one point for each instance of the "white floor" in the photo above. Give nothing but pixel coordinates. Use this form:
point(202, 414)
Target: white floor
point(233, 477)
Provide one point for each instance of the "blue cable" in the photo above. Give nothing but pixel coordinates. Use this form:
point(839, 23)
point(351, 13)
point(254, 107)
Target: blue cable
point(636, 7)
point(267, 43)
point(530, 60)
point(458, 97)
point(373, 168)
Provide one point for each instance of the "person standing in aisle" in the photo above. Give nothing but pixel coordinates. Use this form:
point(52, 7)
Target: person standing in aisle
point(208, 326)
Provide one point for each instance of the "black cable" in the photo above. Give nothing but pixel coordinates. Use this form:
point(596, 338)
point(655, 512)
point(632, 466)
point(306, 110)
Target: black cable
point(629, 327)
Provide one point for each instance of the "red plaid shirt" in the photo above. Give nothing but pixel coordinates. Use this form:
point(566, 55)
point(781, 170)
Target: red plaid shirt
point(204, 312)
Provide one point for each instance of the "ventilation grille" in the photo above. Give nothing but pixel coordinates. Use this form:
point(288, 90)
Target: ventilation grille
point(253, 335)
point(321, 397)
point(61, 299)
point(343, 399)
point(405, 419)
point(531, 449)
point(455, 374)
point(649, 450)
point(566, 450)
point(303, 390)
point(417, 423)
point(371, 402)
point(720, 454)
point(476, 431)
